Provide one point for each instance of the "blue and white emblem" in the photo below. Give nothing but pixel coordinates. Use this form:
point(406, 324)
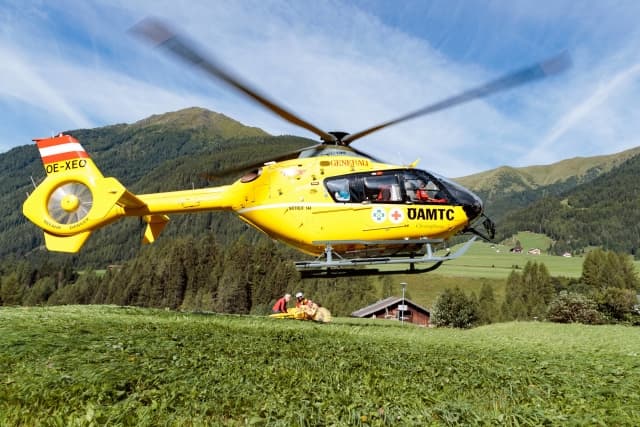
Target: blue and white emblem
point(378, 214)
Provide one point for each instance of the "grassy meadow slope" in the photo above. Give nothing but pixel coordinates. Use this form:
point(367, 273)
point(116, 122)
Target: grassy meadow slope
point(490, 264)
point(495, 260)
point(102, 365)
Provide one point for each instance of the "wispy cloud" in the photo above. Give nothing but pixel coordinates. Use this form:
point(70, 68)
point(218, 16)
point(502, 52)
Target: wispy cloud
point(340, 65)
point(29, 83)
point(576, 116)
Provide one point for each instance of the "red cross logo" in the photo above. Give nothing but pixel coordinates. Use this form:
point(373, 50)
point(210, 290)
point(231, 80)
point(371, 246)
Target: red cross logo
point(396, 215)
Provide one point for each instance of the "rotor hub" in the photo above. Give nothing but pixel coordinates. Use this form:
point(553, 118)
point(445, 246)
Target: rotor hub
point(70, 203)
point(339, 136)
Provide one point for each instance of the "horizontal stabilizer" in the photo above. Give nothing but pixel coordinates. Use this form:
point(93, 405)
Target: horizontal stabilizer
point(129, 200)
point(111, 192)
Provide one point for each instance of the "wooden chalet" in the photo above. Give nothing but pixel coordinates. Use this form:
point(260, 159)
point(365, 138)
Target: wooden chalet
point(392, 308)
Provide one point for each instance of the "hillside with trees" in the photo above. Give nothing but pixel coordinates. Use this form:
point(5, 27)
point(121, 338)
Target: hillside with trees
point(185, 273)
point(505, 189)
point(603, 213)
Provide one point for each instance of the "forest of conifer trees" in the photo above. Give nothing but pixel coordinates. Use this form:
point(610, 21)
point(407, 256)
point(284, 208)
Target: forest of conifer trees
point(199, 274)
point(187, 273)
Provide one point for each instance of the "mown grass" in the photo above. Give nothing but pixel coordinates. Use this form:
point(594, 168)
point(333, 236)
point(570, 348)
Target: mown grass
point(103, 365)
point(494, 261)
point(424, 289)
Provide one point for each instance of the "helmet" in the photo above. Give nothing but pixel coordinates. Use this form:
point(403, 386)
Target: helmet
point(299, 295)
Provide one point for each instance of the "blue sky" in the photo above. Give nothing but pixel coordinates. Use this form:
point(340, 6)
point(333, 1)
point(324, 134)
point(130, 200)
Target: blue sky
point(341, 65)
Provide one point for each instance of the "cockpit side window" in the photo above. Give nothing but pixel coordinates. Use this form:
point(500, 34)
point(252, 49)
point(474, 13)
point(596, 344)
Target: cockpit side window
point(421, 188)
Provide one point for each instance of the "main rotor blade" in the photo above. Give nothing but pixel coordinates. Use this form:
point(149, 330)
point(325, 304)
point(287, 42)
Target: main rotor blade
point(159, 34)
point(246, 167)
point(551, 66)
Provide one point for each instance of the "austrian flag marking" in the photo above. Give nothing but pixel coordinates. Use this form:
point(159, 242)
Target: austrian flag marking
point(60, 148)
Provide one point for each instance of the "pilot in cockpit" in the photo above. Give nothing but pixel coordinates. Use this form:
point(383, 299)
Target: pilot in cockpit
point(422, 193)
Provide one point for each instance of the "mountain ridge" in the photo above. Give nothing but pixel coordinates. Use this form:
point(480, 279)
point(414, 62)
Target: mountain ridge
point(201, 118)
point(582, 168)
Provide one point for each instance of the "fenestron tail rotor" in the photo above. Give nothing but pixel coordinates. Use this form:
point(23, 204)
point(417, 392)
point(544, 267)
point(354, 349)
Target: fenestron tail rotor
point(70, 203)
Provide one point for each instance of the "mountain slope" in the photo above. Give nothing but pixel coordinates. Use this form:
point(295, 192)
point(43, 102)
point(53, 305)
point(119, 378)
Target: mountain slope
point(602, 212)
point(506, 189)
point(580, 169)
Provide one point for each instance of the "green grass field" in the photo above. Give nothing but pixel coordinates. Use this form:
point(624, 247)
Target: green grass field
point(494, 261)
point(484, 263)
point(103, 365)
point(425, 289)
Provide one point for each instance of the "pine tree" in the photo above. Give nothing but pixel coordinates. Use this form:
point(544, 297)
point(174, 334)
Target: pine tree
point(487, 306)
point(594, 270)
point(40, 292)
point(611, 281)
point(528, 294)
point(513, 305)
point(538, 289)
point(11, 290)
point(234, 285)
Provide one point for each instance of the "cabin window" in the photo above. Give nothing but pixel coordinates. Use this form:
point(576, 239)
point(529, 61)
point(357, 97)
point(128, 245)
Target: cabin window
point(403, 314)
point(382, 188)
point(339, 189)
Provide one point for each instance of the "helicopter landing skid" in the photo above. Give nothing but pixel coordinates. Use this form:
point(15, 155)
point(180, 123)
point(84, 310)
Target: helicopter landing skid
point(332, 264)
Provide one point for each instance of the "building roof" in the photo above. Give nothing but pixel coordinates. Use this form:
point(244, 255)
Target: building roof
point(385, 303)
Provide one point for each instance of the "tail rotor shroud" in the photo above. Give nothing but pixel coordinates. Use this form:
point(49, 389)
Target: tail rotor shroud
point(70, 203)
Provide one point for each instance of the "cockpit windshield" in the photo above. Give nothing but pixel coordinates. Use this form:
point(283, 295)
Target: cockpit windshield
point(461, 194)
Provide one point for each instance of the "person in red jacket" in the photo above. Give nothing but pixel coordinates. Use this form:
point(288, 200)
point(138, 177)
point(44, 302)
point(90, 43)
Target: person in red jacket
point(281, 305)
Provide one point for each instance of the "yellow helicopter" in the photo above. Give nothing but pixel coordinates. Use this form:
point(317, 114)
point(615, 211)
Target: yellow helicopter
point(351, 211)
